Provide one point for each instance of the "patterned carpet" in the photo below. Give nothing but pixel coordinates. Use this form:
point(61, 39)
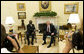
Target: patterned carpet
point(58, 48)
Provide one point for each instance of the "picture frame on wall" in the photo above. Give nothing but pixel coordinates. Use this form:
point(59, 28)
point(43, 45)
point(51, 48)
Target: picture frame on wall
point(71, 8)
point(45, 5)
point(21, 15)
point(21, 7)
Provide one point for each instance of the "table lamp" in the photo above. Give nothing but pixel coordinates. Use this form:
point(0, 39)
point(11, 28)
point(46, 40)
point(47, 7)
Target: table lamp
point(73, 19)
point(9, 21)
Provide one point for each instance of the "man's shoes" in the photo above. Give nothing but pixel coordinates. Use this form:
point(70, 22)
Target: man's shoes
point(28, 43)
point(44, 43)
point(32, 43)
point(49, 46)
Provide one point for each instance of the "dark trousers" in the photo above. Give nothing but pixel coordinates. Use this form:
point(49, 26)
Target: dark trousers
point(32, 36)
point(45, 34)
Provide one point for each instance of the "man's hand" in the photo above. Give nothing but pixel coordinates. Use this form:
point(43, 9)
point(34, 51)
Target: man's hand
point(32, 32)
point(52, 33)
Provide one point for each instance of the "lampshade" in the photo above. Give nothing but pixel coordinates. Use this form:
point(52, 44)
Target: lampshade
point(73, 18)
point(9, 20)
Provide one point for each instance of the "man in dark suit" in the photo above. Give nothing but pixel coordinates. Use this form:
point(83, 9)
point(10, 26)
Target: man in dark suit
point(30, 32)
point(49, 29)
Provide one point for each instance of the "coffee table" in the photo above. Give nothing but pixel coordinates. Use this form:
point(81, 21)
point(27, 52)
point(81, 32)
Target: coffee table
point(30, 49)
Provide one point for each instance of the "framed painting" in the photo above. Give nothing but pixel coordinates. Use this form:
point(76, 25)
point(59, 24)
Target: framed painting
point(71, 8)
point(21, 15)
point(44, 5)
point(21, 7)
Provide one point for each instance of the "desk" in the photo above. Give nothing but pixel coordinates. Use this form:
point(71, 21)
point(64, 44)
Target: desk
point(30, 49)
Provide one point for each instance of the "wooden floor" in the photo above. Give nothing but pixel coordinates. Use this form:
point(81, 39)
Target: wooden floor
point(58, 48)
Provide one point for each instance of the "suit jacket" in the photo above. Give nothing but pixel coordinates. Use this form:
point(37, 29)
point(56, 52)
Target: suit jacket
point(52, 29)
point(30, 28)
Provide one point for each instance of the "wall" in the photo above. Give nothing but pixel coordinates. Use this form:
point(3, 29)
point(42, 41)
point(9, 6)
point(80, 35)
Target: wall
point(9, 8)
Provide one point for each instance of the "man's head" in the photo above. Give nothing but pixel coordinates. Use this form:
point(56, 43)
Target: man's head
point(30, 22)
point(48, 22)
point(3, 34)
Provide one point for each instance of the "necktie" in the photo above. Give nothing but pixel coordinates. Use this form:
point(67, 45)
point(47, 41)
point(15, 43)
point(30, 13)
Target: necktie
point(48, 28)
